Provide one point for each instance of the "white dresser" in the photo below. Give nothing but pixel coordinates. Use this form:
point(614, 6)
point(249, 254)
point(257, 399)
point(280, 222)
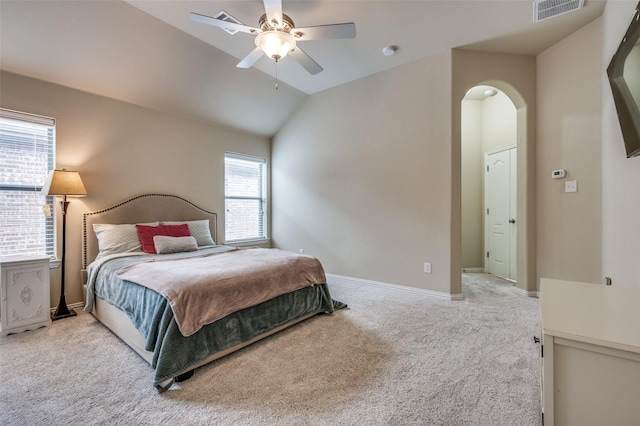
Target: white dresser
point(24, 294)
point(591, 354)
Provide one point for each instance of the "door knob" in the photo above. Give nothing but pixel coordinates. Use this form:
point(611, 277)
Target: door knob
point(512, 221)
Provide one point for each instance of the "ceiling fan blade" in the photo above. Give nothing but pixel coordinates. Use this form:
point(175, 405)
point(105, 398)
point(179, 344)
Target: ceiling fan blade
point(273, 9)
point(324, 32)
point(251, 58)
point(305, 60)
point(222, 24)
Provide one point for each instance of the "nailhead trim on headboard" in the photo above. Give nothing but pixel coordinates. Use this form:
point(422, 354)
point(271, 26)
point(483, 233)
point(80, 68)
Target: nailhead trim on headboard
point(85, 215)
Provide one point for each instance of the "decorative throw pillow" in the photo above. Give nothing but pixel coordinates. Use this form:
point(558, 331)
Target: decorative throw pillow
point(146, 234)
point(164, 244)
point(199, 229)
point(122, 238)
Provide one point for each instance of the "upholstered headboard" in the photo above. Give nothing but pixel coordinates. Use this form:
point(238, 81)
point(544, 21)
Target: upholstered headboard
point(140, 209)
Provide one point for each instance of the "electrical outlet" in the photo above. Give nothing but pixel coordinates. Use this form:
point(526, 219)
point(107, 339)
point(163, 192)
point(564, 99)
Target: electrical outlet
point(427, 267)
point(301, 251)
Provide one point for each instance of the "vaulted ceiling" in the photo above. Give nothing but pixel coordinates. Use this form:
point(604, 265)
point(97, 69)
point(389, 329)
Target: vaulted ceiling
point(150, 53)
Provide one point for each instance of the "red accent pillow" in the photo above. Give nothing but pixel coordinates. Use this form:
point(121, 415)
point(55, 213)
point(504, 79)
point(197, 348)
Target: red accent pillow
point(146, 234)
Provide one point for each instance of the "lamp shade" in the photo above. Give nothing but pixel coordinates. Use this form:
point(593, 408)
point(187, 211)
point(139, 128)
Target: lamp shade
point(63, 182)
point(275, 44)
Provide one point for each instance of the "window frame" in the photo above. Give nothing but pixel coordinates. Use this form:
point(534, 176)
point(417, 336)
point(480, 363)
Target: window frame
point(263, 199)
point(50, 222)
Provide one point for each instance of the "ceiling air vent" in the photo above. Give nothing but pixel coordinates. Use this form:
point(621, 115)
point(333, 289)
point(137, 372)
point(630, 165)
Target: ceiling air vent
point(224, 16)
point(546, 9)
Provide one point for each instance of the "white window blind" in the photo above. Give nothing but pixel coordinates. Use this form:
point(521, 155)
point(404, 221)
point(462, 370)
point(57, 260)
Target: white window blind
point(245, 191)
point(27, 154)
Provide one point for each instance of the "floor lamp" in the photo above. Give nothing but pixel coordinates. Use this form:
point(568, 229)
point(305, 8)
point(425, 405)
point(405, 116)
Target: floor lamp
point(65, 183)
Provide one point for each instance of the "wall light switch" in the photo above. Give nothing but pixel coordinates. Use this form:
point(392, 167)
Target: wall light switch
point(571, 186)
point(427, 268)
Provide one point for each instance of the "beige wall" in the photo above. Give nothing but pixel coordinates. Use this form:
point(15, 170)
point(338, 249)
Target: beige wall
point(593, 233)
point(620, 176)
point(500, 128)
point(123, 150)
point(368, 175)
point(472, 187)
point(362, 177)
point(570, 137)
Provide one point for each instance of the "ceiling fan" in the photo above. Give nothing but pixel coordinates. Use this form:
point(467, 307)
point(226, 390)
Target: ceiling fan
point(277, 36)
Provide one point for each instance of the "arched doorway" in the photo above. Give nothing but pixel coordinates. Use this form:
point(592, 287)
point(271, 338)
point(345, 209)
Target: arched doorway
point(525, 205)
point(489, 182)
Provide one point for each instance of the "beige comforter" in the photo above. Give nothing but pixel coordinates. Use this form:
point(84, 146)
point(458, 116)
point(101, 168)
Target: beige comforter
point(206, 288)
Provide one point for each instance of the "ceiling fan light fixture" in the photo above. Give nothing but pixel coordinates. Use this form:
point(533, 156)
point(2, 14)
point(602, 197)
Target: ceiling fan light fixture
point(276, 35)
point(275, 44)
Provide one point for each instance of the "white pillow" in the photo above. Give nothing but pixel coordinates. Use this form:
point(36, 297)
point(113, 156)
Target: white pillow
point(199, 229)
point(113, 239)
point(165, 244)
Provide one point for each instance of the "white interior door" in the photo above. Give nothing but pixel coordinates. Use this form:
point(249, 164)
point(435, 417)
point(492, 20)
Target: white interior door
point(500, 205)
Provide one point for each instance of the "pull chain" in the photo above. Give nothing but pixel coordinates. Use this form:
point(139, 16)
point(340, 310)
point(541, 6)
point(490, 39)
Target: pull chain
point(276, 73)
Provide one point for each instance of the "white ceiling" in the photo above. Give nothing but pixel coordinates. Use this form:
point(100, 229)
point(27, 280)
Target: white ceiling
point(150, 53)
point(419, 28)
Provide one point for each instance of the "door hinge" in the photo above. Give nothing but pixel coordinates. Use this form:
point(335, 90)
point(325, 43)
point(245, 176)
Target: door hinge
point(487, 211)
point(487, 254)
point(543, 419)
point(487, 168)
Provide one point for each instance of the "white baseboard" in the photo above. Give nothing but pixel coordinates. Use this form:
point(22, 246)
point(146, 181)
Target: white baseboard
point(75, 306)
point(473, 270)
point(533, 293)
point(340, 279)
point(79, 305)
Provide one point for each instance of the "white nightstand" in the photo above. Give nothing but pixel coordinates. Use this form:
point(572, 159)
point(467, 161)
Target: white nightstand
point(24, 293)
point(591, 364)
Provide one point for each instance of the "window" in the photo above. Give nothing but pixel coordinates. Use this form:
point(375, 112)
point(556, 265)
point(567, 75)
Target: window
point(27, 147)
point(245, 194)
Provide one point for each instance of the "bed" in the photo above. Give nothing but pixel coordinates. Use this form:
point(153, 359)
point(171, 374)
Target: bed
point(193, 301)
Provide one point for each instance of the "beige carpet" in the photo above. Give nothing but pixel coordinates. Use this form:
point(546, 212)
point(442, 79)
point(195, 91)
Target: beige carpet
point(391, 358)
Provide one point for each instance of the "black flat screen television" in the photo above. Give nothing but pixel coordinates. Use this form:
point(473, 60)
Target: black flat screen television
point(624, 78)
